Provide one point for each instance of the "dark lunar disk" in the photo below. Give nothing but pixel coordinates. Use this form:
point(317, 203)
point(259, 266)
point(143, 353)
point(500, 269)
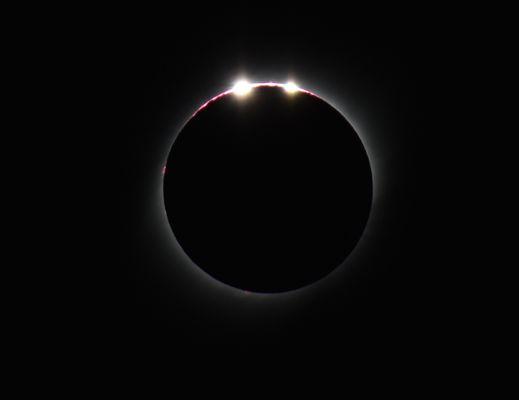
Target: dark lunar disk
point(268, 192)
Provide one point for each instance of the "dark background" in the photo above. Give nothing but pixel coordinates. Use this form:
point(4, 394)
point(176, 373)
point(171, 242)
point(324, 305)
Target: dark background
point(127, 285)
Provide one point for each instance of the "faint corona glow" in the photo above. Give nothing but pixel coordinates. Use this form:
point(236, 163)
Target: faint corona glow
point(242, 88)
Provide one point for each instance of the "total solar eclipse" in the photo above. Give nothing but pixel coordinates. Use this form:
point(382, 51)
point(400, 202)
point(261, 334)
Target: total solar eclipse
point(267, 187)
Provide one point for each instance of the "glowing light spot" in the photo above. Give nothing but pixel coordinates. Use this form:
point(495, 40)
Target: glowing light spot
point(242, 88)
point(291, 87)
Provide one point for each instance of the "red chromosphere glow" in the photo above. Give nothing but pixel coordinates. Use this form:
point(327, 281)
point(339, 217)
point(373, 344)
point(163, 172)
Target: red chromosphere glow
point(252, 86)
